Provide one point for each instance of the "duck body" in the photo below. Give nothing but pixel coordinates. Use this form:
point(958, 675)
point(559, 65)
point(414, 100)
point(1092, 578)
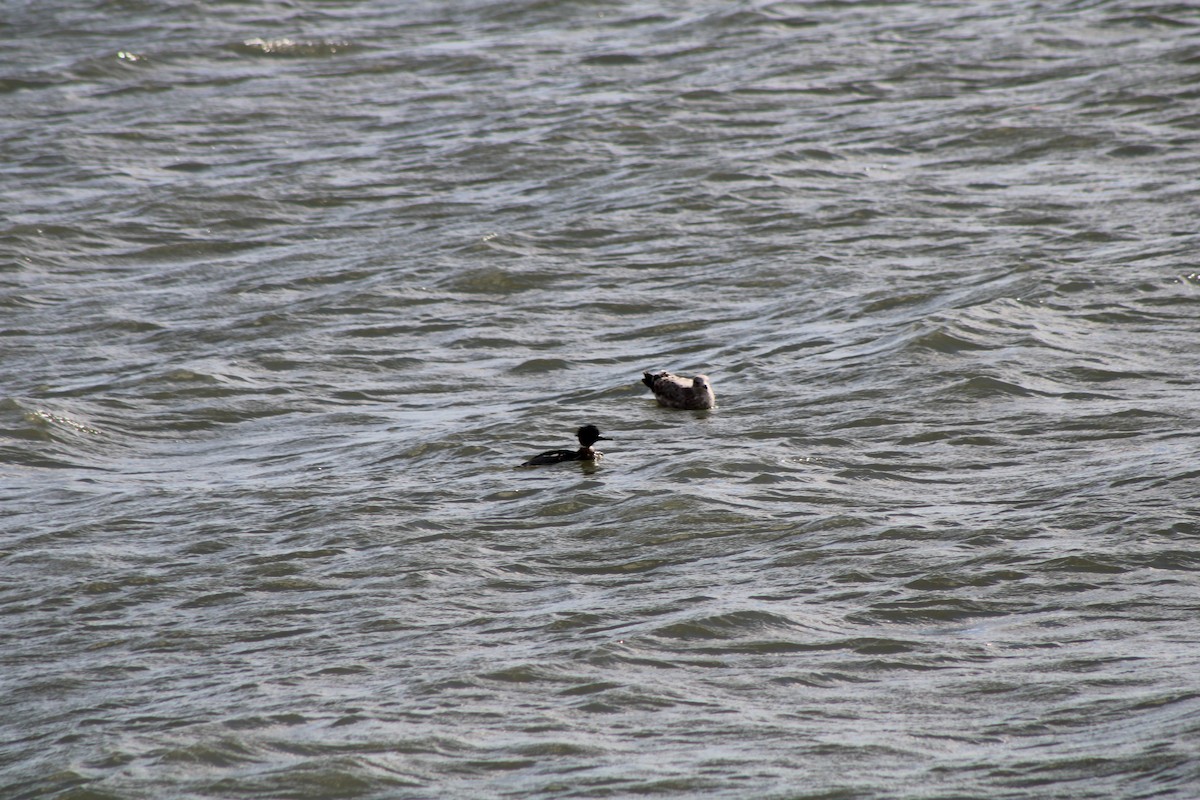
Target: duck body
point(676, 391)
point(588, 435)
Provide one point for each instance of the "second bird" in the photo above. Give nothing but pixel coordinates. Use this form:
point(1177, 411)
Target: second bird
point(676, 391)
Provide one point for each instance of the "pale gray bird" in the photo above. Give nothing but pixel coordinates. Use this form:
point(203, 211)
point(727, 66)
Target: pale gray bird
point(676, 391)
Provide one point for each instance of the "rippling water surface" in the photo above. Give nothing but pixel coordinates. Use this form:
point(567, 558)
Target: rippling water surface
point(288, 289)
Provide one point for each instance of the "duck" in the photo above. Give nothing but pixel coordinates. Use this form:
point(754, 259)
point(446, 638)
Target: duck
point(676, 391)
point(588, 435)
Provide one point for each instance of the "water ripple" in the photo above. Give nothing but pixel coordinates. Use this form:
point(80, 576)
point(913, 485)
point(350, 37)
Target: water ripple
point(289, 295)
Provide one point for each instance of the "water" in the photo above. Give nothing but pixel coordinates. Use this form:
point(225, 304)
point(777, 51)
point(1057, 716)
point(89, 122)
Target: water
point(290, 288)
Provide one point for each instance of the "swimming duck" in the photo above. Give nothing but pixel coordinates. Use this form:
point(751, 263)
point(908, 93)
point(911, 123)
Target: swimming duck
point(676, 391)
point(588, 435)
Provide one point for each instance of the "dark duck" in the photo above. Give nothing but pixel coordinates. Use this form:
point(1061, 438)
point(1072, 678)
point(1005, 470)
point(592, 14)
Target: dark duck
point(588, 435)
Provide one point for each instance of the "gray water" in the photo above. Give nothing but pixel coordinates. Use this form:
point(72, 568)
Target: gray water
point(288, 289)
